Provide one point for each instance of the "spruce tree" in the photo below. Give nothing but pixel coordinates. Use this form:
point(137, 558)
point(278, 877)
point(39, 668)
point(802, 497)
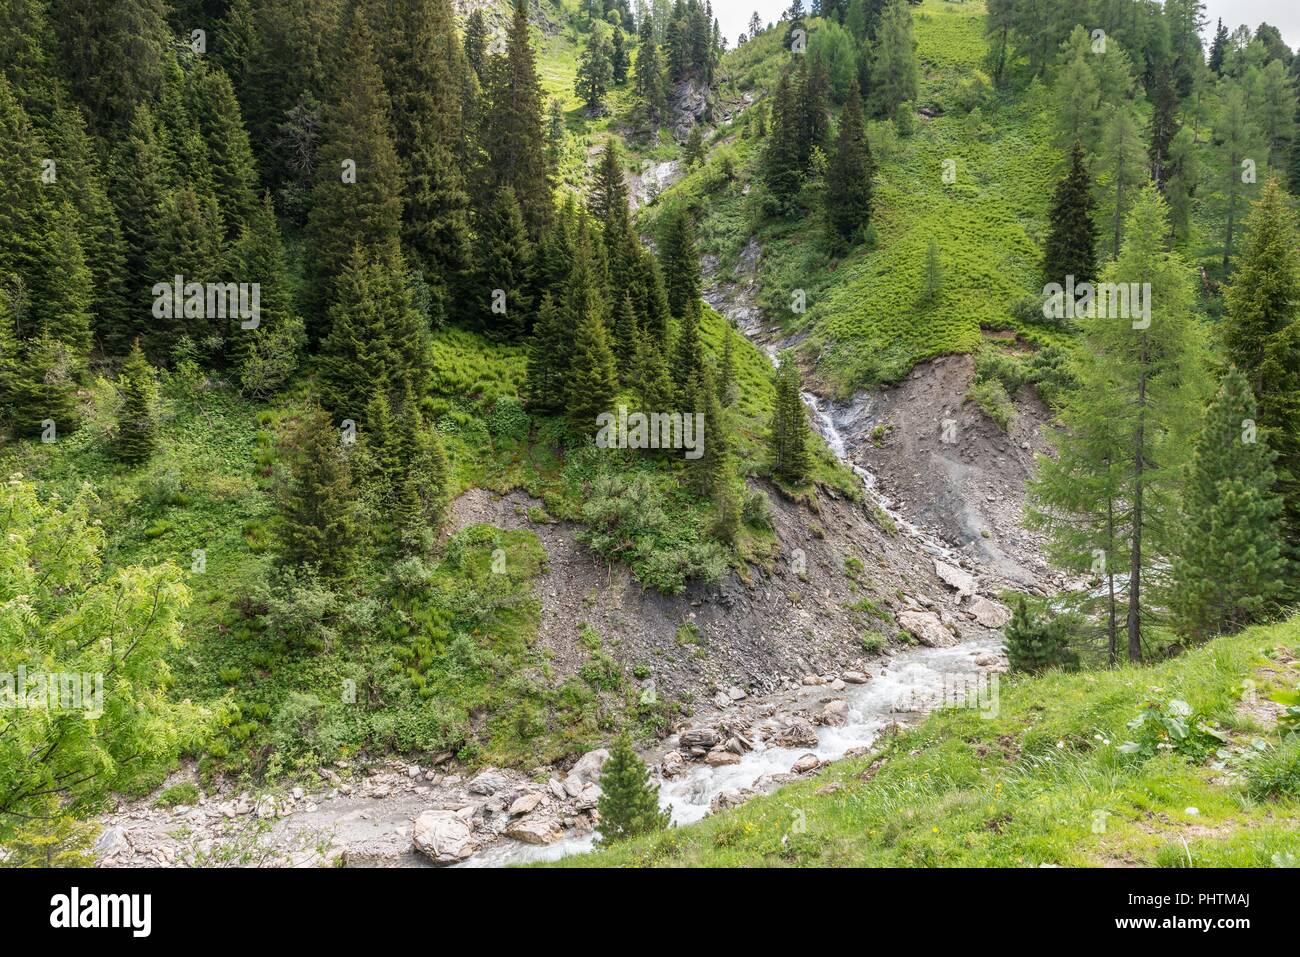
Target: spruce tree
point(681, 264)
point(782, 167)
point(267, 354)
point(549, 352)
point(45, 388)
point(229, 153)
point(595, 73)
point(629, 803)
point(83, 184)
point(849, 180)
point(357, 199)
point(693, 152)
point(1229, 568)
point(425, 71)
point(618, 58)
point(1164, 126)
point(137, 424)
point(894, 67)
point(1261, 337)
point(592, 381)
point(1072, 236)
point(375, 336)
point(115, 55)
point(650, 81)
point(476, 42)
point(513, 140)
point(1033, 645)
point(505, 269)
point(138, 186)
point(788, 436)
point(318, 502)
point(1218, 48)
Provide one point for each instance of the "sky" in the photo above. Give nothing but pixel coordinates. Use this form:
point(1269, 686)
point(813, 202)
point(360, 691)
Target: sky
point(733, 15)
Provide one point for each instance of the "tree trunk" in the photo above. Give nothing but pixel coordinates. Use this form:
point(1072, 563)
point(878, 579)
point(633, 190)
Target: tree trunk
point(1232, 209)
point(1135, 559)
point(1112, 628)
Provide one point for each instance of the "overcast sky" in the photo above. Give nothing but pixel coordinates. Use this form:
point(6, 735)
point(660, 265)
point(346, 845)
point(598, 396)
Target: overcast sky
point(733, 15)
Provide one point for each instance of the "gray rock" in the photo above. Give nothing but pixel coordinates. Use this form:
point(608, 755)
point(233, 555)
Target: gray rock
point(532, 830)
point(588, 767)
point(990, 614)
point(525, 804)
point(955, 578)
point(927, 628)
point(113, 840)
point(798, 734)
point(699, 738)
point(806, 763)
point(488, 782)
point(443, 837)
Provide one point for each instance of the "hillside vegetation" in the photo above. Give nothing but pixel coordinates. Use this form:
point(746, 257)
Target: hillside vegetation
point(1181, 764)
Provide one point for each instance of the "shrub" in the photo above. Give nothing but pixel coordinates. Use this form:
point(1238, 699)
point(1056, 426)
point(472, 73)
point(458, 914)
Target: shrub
point(1276, 774)
point(756, 509)
point(1034, 644)
point(873, 642)
point(186, 792)
point(629, 803)
point(991, 396)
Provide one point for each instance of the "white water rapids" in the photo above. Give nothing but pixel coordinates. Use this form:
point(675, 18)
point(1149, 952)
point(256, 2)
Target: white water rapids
point(900, 687)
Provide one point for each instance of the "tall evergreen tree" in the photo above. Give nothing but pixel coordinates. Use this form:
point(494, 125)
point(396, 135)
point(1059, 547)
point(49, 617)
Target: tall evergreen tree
point(593, 375)
point(375, 336)
point(595, 72)
point(425, 74)
point(894, 67)
point(650, 79)
point(83, 184)
point(549, 355)
point(114, 54)
point(850, 177)
point(230, 154)
point(788, 438)
point(476, 43)
point(783, 167)
point(1218, 48)
point(618, 58)
point(514, 142)
point(1127, 424)
point(1261, 337)
point(1072, 238)
point(1229, 567)
point(267, 354)
point(1164, 126)
point(681, 264)
point(505, 268)
point(137, 424)
point(318, 502)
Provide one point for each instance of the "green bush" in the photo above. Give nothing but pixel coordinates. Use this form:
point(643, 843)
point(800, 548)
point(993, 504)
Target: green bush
point(991, 396)
point(1276, 774)
point(186, 792)
point(1035, 644)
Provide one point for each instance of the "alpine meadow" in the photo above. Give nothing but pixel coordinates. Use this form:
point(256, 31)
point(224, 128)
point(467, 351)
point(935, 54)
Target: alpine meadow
point(634, 433)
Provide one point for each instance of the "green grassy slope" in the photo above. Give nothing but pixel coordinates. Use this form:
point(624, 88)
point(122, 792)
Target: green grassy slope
point(1050, 780)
